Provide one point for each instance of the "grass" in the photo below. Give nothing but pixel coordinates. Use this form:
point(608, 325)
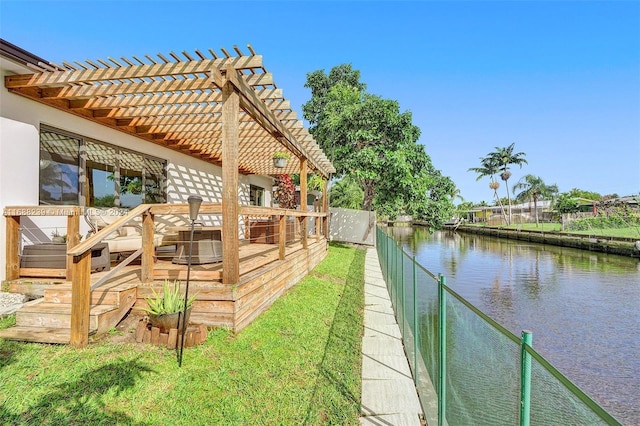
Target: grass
point(628, 232)
point(298, 363)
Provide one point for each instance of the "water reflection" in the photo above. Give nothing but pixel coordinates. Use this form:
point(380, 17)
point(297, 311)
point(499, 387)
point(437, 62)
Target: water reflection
point(581, 306)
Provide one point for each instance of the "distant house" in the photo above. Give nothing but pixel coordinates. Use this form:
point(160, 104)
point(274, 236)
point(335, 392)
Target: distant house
point(524, 212)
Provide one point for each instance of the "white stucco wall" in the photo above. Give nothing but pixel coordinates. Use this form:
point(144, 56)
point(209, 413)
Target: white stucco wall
point(19, 160)
point(18, 171)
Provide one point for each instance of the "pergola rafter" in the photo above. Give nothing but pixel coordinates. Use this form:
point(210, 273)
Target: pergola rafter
point(175, 100)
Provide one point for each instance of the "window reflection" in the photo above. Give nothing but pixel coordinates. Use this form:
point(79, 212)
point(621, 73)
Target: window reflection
point(101, 167)
point(77, 171)
point(131, 171)
point(58, 169)
point(154, 182)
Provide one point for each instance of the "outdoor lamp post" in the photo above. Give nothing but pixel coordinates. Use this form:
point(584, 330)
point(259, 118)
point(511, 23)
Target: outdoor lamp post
point(194, 206)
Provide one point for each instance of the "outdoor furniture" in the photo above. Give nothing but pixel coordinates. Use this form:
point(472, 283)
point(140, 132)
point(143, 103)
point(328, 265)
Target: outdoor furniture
point(54, 256)
point(207, 244)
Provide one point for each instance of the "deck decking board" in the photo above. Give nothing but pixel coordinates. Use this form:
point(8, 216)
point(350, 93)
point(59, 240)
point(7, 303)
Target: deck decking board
point(264, 279)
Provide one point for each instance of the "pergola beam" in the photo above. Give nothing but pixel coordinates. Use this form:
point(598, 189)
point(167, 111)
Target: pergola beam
point(141, 71)
point(175, 105)
point(264, 116)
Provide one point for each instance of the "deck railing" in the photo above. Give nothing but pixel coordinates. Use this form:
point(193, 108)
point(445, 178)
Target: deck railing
point(78, 264)
point(479, 372)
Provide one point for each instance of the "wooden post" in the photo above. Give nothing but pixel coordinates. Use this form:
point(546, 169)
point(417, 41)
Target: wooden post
point(303, 202)
point(230, 133)
point(148, 250)
point(318, 221)
point(73, 238)
point(325, 208)
point(12, 247)
point(80, 299)
point(282, 237)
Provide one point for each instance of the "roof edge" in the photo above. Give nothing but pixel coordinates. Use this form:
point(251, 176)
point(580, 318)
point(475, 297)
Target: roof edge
point(18, 54)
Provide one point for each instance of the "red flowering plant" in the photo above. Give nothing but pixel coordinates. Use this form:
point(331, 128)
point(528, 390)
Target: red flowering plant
point(285, 192)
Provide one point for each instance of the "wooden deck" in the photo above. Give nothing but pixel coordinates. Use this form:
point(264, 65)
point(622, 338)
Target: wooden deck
point(263, 278)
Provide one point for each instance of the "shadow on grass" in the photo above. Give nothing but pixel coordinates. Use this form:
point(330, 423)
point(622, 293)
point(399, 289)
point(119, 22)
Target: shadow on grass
point(9, 352)
point(339, 245)
point(336, 395)
point(81, 401)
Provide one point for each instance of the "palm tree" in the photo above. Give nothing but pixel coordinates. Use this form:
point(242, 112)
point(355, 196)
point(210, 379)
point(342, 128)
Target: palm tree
point(489, 167)
point(504, 157)
point(347, 193)
point(534, 189)
point(456, 193)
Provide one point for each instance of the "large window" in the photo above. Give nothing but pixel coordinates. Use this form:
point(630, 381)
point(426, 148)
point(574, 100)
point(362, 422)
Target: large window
point(79, 171)
point(59, 168)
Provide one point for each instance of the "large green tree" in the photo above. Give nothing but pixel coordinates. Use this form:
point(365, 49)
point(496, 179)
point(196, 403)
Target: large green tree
point(370, 140)
point(533, 188)
point(320, 85)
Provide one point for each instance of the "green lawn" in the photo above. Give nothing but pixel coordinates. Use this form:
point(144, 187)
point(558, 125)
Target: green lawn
point(628, 232)
point(298, 363)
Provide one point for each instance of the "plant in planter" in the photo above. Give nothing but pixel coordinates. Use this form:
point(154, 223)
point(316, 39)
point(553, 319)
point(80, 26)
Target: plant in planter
point(165, 310)
point(280, 159)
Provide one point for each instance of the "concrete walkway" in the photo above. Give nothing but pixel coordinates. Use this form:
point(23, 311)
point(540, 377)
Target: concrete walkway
point(389, 396)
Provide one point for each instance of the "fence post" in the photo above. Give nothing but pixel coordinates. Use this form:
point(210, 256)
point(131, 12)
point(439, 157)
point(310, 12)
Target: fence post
point(415, 324)
point(402, 292)
point(389, 282)
point(525, 379)
point(392, 293)
point(398, 278)
point(386, 257)
point(442, 351)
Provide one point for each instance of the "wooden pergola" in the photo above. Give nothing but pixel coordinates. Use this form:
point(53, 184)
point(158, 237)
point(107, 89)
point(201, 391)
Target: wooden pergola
point(223, 109)
point(177, 101)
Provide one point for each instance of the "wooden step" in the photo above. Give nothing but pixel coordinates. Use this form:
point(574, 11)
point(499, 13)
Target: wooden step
point(37, 334)
point(44, 321)
point(56, 315)
point(34, 288)
point(110, 319)
point(103, 295)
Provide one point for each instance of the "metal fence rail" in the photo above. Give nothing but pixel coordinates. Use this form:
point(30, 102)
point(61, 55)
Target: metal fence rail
point(479, 372)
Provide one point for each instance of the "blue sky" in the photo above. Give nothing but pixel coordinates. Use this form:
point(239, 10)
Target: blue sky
point(560, 79)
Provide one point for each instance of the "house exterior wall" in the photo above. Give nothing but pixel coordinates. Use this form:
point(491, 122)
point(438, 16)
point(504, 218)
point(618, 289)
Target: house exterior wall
point(20, 121)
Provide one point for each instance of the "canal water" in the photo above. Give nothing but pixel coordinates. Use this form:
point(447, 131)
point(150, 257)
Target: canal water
point(582, 307)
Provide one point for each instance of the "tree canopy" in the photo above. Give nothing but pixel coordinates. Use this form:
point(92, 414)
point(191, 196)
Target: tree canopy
point(533, 188)
point(371, 141)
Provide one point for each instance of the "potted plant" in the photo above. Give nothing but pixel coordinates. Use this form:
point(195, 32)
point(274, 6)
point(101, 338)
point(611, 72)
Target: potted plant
point(165, 310)
point(280, 158)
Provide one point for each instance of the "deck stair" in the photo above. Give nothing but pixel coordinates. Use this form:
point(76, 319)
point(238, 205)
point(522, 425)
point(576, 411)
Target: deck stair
point(48, 319)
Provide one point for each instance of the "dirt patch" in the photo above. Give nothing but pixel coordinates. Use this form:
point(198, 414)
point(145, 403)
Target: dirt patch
point(124, 332)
